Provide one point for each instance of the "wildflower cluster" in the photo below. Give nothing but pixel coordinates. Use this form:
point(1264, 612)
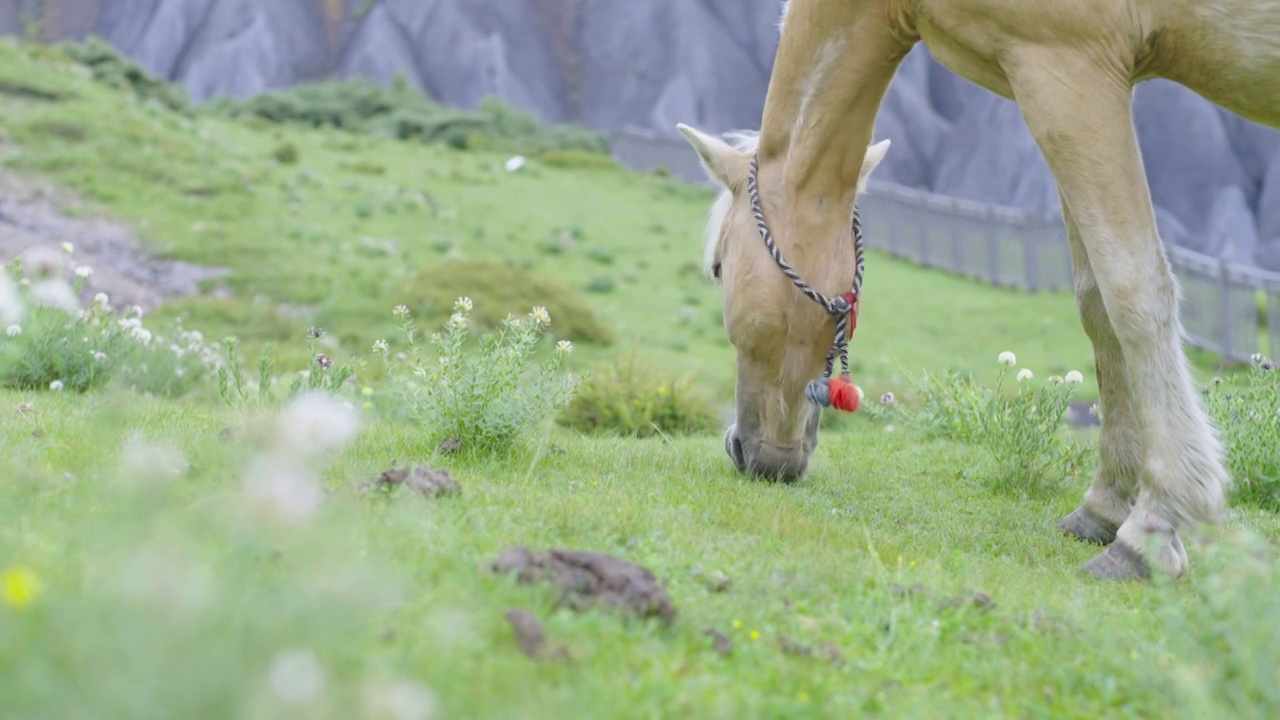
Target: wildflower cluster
point(321, 375)
point(484, 392)
point(51, 342)
point(1021, 430)
point(1246, 411)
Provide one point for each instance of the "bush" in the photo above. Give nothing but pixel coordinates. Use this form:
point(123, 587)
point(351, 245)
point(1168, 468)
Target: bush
point(54, 344)
point(360, 105)
point(631, 400)
point(484, 393)
point(500, 289)
point(113, 69)
point(321, 375)
point(1022, 431)
point(1247, 414)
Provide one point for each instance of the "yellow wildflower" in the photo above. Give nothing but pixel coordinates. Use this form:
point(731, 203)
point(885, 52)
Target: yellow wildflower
point(20, 587)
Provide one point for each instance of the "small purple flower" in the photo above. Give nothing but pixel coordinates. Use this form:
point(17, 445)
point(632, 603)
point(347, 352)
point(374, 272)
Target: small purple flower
point(325, 361)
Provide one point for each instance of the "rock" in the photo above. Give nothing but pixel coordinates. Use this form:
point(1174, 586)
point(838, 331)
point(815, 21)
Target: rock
point(1186, 151)
point(1232, 234)
point(907, 118)
point(420, 479)
point(990, 156)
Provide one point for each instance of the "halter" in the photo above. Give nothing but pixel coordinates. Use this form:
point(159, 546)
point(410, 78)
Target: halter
point(826, 391)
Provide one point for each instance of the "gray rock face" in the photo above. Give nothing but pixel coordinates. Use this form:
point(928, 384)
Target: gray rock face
point(990, 156)
point(609, 64)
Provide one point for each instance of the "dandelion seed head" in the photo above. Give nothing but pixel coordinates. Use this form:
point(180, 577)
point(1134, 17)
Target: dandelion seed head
point(1007, 358)
point(1024, 374)
point(296, 676)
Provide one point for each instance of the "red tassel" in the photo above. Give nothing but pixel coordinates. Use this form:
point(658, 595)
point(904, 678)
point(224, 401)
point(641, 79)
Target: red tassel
point(844, 396)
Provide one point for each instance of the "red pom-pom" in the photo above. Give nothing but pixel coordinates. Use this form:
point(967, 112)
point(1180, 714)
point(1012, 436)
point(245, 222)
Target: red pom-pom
point(844, 396)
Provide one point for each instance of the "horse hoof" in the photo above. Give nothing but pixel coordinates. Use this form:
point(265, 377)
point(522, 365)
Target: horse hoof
point(1118, 562)
point(1088, 526)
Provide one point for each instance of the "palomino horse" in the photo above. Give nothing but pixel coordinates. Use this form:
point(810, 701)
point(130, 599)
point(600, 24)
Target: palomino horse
point(1071, 66)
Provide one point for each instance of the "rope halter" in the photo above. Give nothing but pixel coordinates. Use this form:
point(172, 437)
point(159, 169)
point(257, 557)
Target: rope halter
point(839, 393)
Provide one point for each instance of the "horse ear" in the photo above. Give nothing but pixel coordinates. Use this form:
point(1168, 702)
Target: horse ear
point(719, 158)
point(875, 154)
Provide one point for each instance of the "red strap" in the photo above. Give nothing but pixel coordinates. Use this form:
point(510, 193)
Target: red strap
point(852, 299)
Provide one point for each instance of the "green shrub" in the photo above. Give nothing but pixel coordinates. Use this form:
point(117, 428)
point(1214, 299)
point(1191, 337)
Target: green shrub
point(484, 392)
point(113, 69)
point(601, 285)
point(321, 375)
point(500, 289)
point(286, 153)
point(1247, 413)
point(1022, 430)
point(57, 345)
point(629, 399)
point(360, 105)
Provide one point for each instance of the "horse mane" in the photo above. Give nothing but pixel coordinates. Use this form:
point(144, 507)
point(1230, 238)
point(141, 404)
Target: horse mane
point(744, 141)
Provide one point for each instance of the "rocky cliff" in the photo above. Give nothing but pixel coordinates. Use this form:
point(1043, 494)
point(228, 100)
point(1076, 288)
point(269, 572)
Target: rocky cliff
point(651, 63)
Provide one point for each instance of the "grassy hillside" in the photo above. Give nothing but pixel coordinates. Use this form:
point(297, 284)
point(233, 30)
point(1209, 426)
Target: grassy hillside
point(358, 217)
point(163, 558)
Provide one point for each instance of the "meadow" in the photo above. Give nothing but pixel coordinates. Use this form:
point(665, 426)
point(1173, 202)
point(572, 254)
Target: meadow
point(202, 534)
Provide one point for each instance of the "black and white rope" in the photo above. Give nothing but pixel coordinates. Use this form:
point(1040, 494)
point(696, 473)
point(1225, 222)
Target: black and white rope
point(839, 306)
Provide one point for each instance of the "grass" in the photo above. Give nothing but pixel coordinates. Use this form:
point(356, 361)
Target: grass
point(158, 594)
point(144, 593)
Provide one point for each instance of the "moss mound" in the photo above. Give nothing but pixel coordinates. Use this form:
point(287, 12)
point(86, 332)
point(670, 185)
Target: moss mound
point(499, 290)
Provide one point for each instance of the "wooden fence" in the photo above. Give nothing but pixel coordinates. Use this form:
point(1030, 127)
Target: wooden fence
point(1232, 310)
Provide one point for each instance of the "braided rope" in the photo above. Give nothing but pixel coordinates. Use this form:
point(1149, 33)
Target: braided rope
point(843, 307)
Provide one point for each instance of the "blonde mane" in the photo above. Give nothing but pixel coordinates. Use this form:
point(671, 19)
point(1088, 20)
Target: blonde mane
point(743, 141)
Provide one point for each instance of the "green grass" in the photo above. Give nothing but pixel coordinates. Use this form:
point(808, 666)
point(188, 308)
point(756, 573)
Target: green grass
point(164, 594)
point(166, 597)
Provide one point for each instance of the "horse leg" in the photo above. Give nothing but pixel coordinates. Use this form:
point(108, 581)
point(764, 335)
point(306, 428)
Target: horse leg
point(1078, 106)
point(1109, 498)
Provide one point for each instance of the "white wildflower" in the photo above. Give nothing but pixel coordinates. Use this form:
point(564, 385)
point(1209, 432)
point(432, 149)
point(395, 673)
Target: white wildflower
point(1055, 379)
point(1075, 377)
point(56, 385)
point(458, 320)
point(11, 307)
point(463, 304)
point(400, 311)
point(564, 347)
point(540, 315)
point(380, 346)
point(1024, 374)
point(68, 248)
point(102, 299)
point(99, 356)
point(514, 163)
point(136, 311)
point(141, 334)
point(84, 271)
point(888, 399)
point(13, 330)
point(316, 423)
point(1007, 358)
point(55, 294)
point(401, 700)
point(296, 676)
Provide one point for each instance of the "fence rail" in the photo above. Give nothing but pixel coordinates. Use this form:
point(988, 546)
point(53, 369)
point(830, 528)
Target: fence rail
point(1232, 310)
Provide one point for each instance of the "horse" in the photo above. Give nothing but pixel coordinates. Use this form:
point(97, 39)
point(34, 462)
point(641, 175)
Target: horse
point(1071, 66)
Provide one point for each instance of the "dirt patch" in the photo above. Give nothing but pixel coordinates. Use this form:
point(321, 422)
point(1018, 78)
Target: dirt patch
point(420, 479)
point(33, 216)
point(530, 636)
point(590, 578)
